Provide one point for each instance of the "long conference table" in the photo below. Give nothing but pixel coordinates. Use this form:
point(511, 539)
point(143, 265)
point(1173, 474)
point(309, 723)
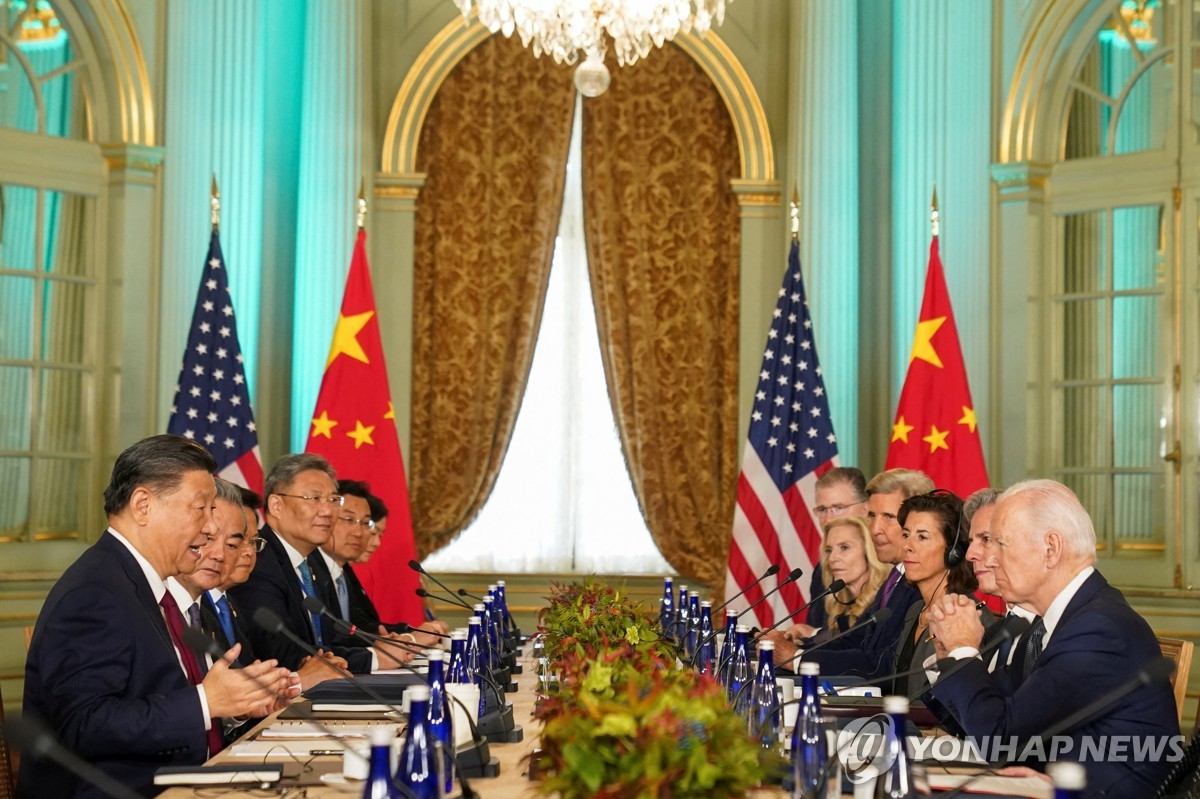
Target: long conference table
point(303, 774)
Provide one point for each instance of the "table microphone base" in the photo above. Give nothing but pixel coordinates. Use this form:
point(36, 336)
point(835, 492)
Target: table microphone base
point(477, 762)
point(498, 727)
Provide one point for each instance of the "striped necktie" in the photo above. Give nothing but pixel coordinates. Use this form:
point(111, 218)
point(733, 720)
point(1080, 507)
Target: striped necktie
point(343, 593)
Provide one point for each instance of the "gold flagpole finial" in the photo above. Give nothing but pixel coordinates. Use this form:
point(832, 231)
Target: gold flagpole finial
point(215, 202)
point(360, 205)
point(934, 216)
point(794, 213)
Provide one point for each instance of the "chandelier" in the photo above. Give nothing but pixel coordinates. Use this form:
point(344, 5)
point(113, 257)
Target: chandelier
point(569, 29)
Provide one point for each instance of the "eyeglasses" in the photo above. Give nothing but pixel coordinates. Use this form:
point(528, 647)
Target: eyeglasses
point(833, 510)
point(367, 523)
point(334, 499)
point(258, 542)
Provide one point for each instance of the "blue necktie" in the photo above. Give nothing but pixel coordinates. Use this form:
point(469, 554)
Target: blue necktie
point(307, 583)
point(225, 616)
point(343, 595)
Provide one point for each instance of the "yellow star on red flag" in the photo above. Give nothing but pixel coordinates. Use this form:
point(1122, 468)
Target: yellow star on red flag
point(361, 434)
point(345, 337)
point(900, 430)
point(923, 343)
point(968, 418)
point(936, 439)
point(322, 426)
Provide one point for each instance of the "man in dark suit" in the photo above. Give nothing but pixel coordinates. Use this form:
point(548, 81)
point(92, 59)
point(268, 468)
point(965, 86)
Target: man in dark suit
point(871, 652)
point(1088, 642)
point(106, 667)
point(301, 505)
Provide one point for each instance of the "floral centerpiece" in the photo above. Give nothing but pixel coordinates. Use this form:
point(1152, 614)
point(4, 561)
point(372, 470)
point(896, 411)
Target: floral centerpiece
point(628, 722)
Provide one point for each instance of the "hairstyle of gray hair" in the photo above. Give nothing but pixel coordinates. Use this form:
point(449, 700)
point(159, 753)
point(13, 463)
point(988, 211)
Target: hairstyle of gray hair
point(229, 492)
point(845, 475)
point(908, 482)
point(980, 499)
point(287, 468)
point(1049, 505)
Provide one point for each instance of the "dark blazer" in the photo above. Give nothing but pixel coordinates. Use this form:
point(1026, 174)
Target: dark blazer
point(273, 584)
point(327, 593)
point(362, 610)
point(212, 626)
point(872, 652)
point(1100, 642)
point(103, 674)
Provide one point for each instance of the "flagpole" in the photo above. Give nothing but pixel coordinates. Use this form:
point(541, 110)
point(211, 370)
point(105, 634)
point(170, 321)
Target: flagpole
point(360, 205)
point(934, 217)
point(215, 202)
point(794, 212)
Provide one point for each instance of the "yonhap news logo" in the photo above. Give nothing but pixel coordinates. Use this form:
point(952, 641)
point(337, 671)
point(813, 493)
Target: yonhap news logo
point(864, 752)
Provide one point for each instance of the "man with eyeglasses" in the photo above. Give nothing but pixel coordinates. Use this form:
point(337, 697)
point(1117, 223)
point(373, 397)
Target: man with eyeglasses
point(872, 653)
point(301, 506)
point(841, 491)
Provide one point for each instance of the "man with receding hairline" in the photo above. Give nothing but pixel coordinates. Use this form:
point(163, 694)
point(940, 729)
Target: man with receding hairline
point(107, 668)
point(1087, 642)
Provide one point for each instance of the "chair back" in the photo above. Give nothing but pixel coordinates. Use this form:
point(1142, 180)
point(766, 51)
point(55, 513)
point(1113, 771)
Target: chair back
point(1179, 652)
point(28, 637)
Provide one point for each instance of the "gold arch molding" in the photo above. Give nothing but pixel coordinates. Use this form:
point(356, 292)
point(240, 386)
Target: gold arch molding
point(118, 86)
point(1032, 126)
point(453, 42)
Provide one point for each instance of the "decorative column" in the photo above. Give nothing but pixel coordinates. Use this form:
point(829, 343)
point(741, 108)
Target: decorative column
point(331, 170)
point(941, 118)
point(825, 168)
point(215, 125)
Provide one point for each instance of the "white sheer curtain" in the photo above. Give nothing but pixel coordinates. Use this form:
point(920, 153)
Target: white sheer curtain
point(563, 501)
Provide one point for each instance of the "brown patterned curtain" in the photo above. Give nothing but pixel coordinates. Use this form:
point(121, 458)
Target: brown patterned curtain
point(494, 149)
point(659, 150)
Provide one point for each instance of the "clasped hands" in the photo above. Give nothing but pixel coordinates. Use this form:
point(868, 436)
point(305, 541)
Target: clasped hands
point(954, 623)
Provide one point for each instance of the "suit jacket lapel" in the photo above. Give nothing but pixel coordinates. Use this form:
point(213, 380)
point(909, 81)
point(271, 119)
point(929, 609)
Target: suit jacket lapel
point(137, 578)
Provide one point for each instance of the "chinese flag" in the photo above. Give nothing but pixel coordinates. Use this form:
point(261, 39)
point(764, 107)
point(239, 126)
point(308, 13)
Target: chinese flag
point(935, 429)
point(353, 426)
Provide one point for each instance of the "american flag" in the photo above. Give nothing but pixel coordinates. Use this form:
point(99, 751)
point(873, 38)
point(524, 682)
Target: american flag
point(212, 404)
point(791, 443)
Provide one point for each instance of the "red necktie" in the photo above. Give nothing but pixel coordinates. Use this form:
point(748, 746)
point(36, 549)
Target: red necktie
point(190, 666)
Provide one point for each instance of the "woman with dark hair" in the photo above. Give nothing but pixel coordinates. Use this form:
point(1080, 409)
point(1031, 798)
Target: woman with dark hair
point(933, 546)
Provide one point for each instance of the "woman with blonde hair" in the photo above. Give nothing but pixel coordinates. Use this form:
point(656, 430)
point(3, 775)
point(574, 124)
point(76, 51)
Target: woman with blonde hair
point(849, 555)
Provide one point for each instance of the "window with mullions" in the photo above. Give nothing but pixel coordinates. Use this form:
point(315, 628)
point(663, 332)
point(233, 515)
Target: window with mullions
point(48, 291)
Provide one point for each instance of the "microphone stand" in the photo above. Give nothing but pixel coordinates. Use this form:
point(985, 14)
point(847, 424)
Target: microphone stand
point(497, 723)
point(421, 592)
point(35, 742)
point(772, 569)
point(834, 587)
point(879, 617)
point(202, 644)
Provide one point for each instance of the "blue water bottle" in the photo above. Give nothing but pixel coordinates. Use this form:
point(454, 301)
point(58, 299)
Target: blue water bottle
point(706, 658)
point(726, 657)
point(1070, 779)
point(417, 768)
point(456, 669)
point(681, 618)
point(810, 747)
point(896, 780)
point(693, 630)
point(476, 659)
point(379, 779)
point(740, 672)
point(666, 610)
point(764, 701)
point(441, 722)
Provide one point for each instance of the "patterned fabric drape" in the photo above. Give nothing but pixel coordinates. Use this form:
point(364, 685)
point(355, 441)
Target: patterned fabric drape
point(494, 149)
point(662, 226)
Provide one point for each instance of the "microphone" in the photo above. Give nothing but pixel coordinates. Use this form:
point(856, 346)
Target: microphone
point(792, 577)
point(834, 587)
point(317, 607)
point(878, 617)
point(466, 593)
point(314, 605)
point(38, 743)
point(416, 566)
point(421, 592)
point(1156, 670)
point(201, 644)
point(771, 570)
point(403, 628)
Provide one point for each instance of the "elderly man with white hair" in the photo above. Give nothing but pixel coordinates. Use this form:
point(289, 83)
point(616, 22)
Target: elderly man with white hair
point(1087, 642)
